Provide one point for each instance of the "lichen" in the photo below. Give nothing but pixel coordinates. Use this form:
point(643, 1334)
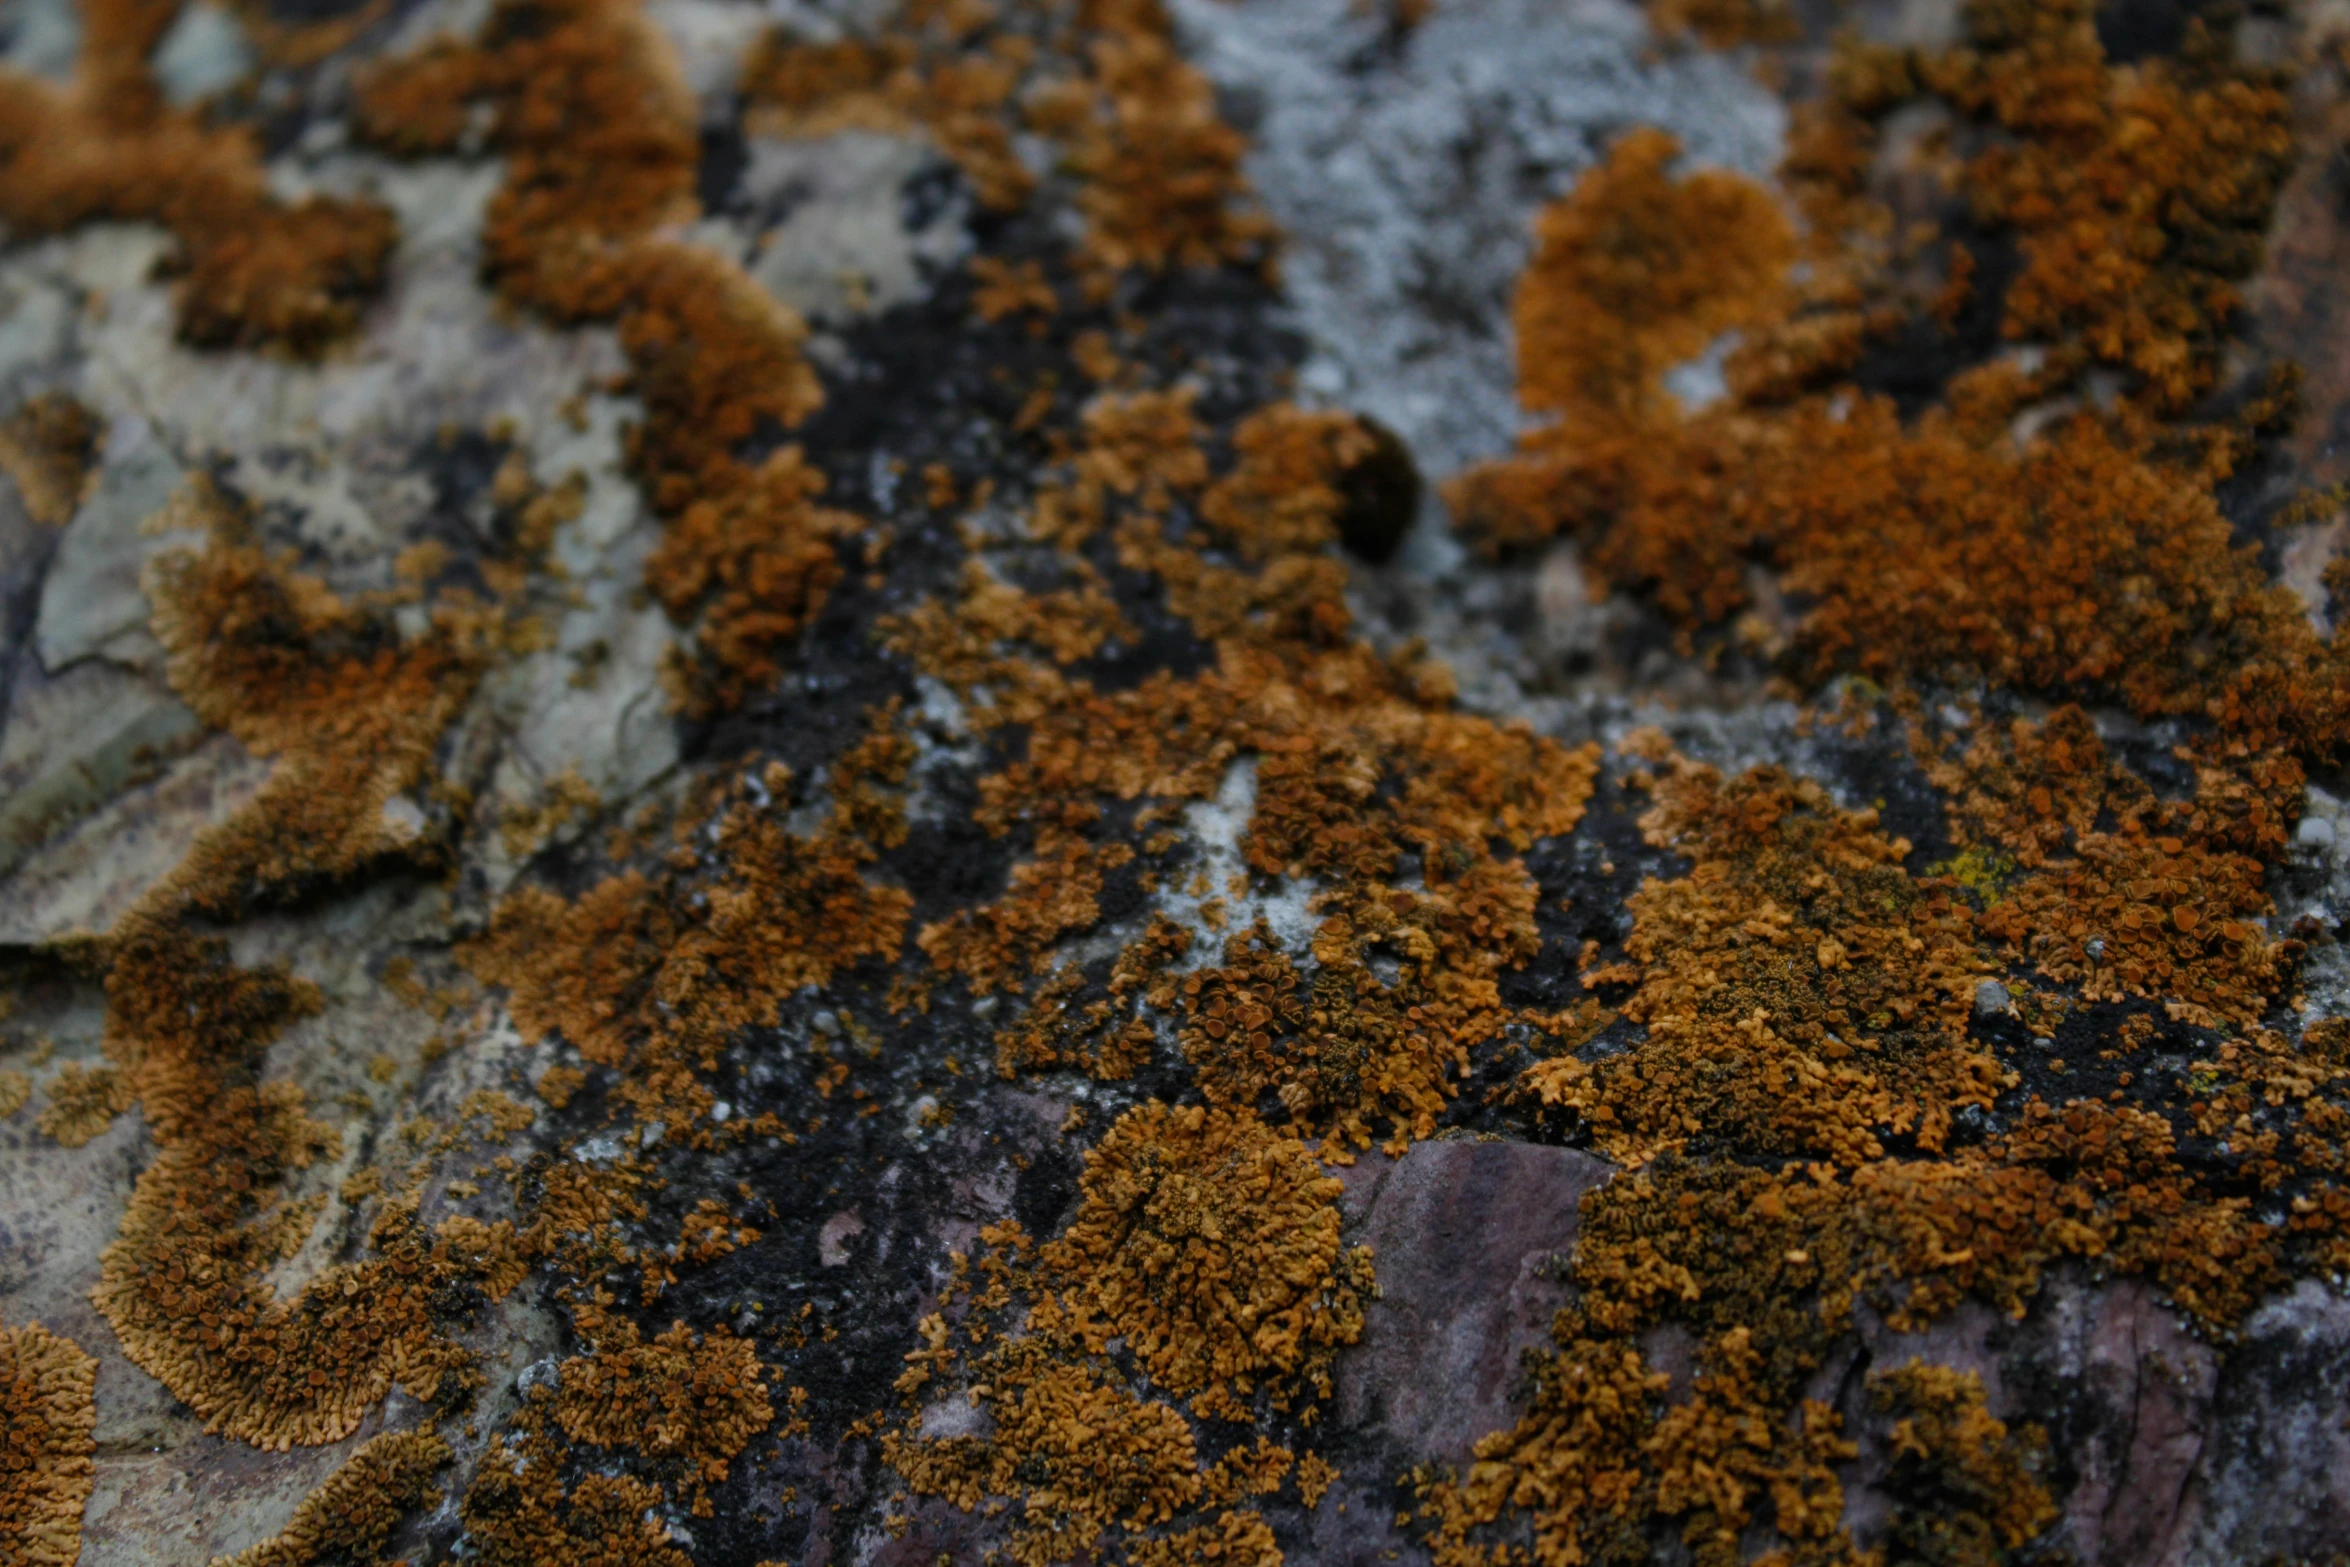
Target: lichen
point(352, 1516)
point(49, 447)
point(1210, 1244)
point(694, 1400)
point(255, 270)
point(47, 1423)
point(83, 1102)
point(1965, 1491)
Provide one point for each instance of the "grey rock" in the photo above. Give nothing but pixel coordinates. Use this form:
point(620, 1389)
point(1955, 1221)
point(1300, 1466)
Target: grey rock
point(1461, 1234)
point(843, 247)
point(1405, 176)
point(1991, 999)
point(206, 52)
point(72, 743)
point(91, 602)
point(41, 37)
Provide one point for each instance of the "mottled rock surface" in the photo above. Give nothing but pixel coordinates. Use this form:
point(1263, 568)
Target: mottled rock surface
point(865, 1130)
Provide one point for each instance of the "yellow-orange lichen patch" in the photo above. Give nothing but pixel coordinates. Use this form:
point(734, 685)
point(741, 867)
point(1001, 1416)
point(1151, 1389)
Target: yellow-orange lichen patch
point(1356, 762)
point(577, 967)
point(695, 1399)
point(48, 1417)
point(1210, 1243)
point(1803, 993)
point(1084, 1457)
point(519, 1512)
point(352, 1515)
point(597, 126)
point(1635, 272)
point(660, 977)
point(1157, 169)
point(1282, 496)
point(16, 1090)
point(49, 447)
point(1207, 1246)
point(255, 269)
point(2092, 557)
point(1964, 1489)
point(1725, 24)
point(748, 568)
point(999, 945)
point(182, 1281)
point(2139, 194)
point(350, 709)
point(1160, 170)
point(960, 94)
point(83, 1101)
point(1103, 1037)
point(598, 130)
point(1239, 1538)
point(2114, 891)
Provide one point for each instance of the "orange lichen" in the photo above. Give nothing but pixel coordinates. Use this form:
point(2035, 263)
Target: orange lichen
point(997, 945)
point(959, 95)
point(598, 130)
point(255, 270)
point(350, 709)
point(49, 447)
point(353, 1514)
point(694, 1399)
point(1101, 1036)
point(1242, 1539)
point(2092, 557)
point(1157, 170)
point(1083, 1456)
point(1965, 1491)
point(182, 1281)
point(1725, 24)
point(1802, 992)
point(755, 564)
point(2162, 901)
point(2138, 195)
point(48, 1418)
point(660, 978)
point(83, 1102)
point(519, 1513)
point(1635, 272)
point(1282, 497)
point(1210, 1244)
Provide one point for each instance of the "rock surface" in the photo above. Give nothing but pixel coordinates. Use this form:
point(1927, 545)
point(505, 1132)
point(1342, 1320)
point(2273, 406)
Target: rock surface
point(855, 1165)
